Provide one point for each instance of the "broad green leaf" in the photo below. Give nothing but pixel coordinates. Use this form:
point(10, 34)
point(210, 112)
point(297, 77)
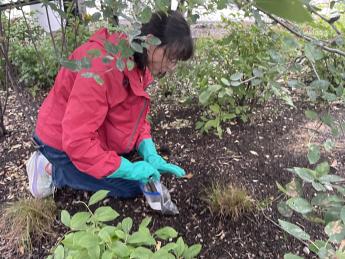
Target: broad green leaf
point(107, 255)
point(111, 48)
point(305, 174)
point(258, 72)
point(136, 47)
point(235, 83)
point(311, 115)
point(211, 124)
point(94, 53)
point(94, 251)
point(65, 218)
point(299, 205)
point(98, 196)
point(292, 10)
point(141, 238)
point(120, 64)
point(320, 84)
point(180, 247)
point(331, 178)
point(88, 240)
point(141, 253)
point(96, 77)
point(127, 224)
point(120, 249)
point(169, 247)
point(192, 251)
point(313, 153)
point(105, 234)
point(328, 145)
point(71, 65)
point(78, 221)
point(120, 234)
point(318, 187)
point(152, 40)
point(322, 169)
point(327, 119)
point(326, 200)
point(334, 228)
point(294, 230)
point(292, 256)
point(130, 64)
point(105, 213)
point(166, 233)
point(316, 245)
point(225, 81)
point(59, 252)
point(284, 209)
point(312, 52)
point(215, 108)
point(236, 76)
point(162, 254)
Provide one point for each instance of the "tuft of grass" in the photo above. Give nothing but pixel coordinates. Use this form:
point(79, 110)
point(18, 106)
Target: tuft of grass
point(23, 221)
point(229, 200)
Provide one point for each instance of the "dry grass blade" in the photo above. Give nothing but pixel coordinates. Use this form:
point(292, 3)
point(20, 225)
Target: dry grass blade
point(23, 221)
point(229, 201)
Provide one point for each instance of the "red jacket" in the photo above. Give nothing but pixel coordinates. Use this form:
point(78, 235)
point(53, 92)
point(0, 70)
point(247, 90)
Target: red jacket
point(94, 123)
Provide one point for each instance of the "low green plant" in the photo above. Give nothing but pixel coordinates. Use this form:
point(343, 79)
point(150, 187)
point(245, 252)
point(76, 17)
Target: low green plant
point(325, 205)
point(228, 200)
point(91, 237)
point(24, 220)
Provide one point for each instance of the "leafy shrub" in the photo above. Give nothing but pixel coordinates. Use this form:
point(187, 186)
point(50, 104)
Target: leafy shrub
point(23, 220)
point(38, 70)
point(325, 205)
point(91, 237)
point(234, 74)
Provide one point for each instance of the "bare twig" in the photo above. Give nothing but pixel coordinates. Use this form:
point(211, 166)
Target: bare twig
point(51, 32)
point(317, 42)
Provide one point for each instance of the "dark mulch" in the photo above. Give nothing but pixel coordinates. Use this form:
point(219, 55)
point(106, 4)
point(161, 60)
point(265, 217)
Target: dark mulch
point(254, 155)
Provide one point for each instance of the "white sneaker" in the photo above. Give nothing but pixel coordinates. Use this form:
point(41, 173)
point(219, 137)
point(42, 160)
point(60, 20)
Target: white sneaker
point(39, 174)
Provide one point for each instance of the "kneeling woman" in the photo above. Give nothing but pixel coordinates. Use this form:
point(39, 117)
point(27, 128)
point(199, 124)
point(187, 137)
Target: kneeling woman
point(83, 128)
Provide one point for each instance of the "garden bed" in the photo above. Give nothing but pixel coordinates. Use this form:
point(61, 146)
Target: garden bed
point(254, 155)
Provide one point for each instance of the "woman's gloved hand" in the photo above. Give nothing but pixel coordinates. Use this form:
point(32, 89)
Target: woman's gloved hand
point(147, 150)
point(137, 171)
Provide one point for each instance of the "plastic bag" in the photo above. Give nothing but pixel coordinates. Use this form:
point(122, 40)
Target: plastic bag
point(158, 197)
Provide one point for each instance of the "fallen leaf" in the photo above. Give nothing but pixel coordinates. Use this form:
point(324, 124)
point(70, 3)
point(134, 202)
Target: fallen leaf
point(254, 153)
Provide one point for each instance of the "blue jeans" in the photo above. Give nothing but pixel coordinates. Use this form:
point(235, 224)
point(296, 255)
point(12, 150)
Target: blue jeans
point(64, 173)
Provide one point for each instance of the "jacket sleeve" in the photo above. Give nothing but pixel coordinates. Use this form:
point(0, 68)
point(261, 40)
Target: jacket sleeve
point(86, 110)
point(145, 131)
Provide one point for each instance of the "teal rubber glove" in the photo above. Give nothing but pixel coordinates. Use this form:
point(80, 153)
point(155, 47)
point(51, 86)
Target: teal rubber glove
point(147, 150)
point(137, 171)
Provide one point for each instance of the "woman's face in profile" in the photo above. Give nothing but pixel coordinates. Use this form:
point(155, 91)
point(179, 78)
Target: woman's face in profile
point(158, 62)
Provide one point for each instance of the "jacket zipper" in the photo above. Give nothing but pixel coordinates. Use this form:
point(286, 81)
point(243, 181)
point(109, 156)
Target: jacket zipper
point(136, 126)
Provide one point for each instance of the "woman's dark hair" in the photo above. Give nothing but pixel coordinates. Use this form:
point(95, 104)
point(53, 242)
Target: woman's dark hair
point(174, 33)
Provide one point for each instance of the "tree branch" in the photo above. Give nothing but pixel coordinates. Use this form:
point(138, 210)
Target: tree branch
point(292, 30)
